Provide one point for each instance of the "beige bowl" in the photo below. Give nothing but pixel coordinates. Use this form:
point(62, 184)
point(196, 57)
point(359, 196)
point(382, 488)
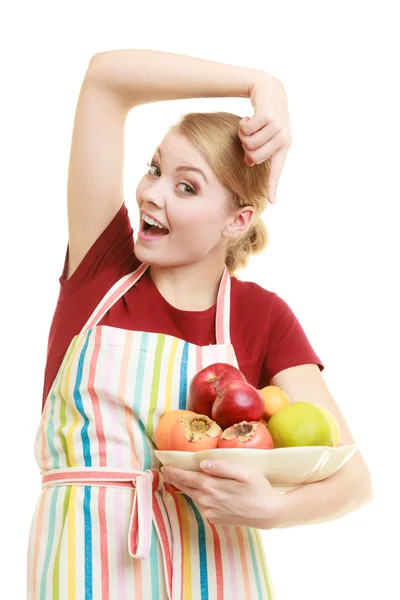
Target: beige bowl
point(285, 468)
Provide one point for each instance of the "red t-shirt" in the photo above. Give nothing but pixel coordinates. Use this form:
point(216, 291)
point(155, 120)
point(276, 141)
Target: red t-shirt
point(265, 333)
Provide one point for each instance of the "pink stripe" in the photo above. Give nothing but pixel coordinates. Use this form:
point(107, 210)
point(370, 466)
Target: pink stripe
point(114, 426)
point(165, 546)
point(156, 479)
point(105, 582)
point(101, 440)
point(219, 317)
point(122, 394)
point(66, 475)
point(232, 566)
point(178, 554)
point(219, 572)
point(139, 533)
point(246, 578)
point(102, 308)
point(145, 502)
point(38, 538)
point(138, 567)
point(100, 483)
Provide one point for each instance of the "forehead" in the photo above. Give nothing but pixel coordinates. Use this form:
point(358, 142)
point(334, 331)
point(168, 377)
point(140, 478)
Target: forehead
point(178, 147)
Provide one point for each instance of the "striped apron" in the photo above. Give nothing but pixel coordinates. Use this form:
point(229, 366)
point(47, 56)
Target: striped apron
point(105, 526)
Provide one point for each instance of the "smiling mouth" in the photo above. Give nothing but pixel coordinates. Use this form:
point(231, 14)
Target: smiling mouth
point(148, 229)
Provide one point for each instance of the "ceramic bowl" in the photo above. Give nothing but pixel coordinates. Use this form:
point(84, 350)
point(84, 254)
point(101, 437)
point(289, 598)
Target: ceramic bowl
point(285, 468)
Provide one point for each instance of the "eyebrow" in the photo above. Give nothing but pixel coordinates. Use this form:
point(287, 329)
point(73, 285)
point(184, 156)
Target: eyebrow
point(185, 167)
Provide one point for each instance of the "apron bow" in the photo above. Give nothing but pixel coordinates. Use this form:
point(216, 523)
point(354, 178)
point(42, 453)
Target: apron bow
point(146, 483)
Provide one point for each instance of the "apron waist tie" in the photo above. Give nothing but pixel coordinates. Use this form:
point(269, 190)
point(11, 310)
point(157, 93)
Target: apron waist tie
point(145, 482)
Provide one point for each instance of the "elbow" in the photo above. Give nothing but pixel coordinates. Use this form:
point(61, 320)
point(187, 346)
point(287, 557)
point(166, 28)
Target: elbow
point(363, 489)
point(95, 58)
point(369, 493)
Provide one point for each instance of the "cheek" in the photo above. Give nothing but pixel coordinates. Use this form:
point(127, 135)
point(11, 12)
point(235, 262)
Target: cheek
point(200, 221)
point(198, 233)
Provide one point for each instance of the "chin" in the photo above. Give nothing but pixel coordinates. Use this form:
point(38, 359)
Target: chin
point(158, 258)
point(141, 253)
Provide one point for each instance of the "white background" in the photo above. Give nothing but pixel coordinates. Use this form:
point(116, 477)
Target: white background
point(334, 243)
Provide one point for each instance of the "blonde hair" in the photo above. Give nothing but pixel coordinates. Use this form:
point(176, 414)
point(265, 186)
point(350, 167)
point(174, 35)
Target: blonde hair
point(216, 135)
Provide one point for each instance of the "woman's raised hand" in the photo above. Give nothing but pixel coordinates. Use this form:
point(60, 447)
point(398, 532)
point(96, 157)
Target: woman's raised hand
point(268, 133)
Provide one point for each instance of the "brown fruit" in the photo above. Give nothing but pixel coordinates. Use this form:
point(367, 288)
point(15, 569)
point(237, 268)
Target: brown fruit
point(165, 424)
point(194, 433)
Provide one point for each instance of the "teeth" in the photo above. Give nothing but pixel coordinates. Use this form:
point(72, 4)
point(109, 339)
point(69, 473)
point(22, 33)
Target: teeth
point(151, 221)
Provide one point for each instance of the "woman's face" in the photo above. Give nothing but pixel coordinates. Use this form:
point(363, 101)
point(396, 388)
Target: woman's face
point(194, 209)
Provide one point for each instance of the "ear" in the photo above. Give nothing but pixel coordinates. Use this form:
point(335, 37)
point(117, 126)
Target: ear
point(240, 223)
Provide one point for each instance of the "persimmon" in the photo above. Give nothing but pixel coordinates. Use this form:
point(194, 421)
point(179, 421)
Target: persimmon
point(164, 426)
point(194, 432)
point(246, 434)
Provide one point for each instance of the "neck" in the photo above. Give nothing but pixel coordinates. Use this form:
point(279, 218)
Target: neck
point(189, 287)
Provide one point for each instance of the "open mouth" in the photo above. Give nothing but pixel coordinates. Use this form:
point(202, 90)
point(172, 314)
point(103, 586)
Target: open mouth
point(148, 229)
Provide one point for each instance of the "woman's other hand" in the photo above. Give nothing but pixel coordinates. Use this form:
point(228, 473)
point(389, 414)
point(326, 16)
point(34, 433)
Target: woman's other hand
point(229, 494)
point(268, 133)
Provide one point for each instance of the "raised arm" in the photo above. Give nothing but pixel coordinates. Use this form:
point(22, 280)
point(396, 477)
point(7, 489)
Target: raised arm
point(115, 82)
point(96, 162)
point(145, 76)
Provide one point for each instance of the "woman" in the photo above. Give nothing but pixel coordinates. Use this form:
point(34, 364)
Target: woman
point(134, 323)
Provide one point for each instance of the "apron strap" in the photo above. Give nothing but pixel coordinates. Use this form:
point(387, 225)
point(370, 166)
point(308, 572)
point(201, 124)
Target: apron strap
point(118, 289)
point(222, 318)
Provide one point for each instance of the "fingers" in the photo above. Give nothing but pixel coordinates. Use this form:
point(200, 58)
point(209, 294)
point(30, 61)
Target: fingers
point(268, 142)
point(250, 126)
point(258, 141)
point(185, 489)
point(186, 481)
point(258, 138)
point(261, 145)
point(265, 151)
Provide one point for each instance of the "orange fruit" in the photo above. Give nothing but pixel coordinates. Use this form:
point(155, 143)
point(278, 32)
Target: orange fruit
point(275, 399)
point(165, 424)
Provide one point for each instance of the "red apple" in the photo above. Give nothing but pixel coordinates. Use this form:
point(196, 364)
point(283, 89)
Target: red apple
point(202, 391)
point(237, 401)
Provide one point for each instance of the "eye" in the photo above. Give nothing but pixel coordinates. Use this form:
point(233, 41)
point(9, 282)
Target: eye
point(193, 191)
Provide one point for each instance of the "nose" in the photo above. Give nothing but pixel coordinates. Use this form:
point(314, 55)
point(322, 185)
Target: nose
point(153, 195)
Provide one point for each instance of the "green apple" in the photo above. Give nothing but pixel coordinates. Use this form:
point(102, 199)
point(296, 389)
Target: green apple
point(300, 424)
point(334, 424)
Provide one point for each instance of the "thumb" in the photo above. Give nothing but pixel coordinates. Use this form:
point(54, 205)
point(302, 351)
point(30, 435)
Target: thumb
point(221, 468)
point(251, 125)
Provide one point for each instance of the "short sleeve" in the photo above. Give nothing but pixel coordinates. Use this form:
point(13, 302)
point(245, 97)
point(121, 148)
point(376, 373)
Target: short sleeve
point(287, 343)
point(113, 247)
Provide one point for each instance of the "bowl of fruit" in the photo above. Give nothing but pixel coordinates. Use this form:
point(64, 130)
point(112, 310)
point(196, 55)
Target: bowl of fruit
point(291, 443)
